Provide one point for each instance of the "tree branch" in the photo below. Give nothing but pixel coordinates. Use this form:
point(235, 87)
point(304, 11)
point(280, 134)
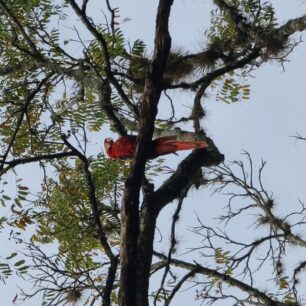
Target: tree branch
point(111, 275)
point(173, 243)
point(292, 26)
point(105, 102)
point(106, 57)
point(209, 77)
point(130, 203)
point(178, 286)
point(93, 200)
point(26, 37)
point(184, 174)
point(23, 110)
point(15, 162)
point(224, 278)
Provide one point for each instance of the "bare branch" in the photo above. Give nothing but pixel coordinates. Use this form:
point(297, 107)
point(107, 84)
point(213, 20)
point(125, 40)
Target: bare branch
point(179, 285)
point(26, 160)
point(222, 277)
point(171, 251)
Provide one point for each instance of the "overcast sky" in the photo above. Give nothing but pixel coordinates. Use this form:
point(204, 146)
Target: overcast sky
point(262, 125)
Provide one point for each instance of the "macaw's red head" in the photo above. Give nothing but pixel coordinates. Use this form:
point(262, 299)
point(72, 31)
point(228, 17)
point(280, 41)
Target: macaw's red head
point(108, 144)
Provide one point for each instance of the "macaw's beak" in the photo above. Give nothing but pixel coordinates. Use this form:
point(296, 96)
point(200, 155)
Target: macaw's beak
point(108, 141)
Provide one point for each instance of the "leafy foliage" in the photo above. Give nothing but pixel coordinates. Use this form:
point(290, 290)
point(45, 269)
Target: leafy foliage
point(64, 210)
point(240, 25)
point(59, 90)
point(232, 91)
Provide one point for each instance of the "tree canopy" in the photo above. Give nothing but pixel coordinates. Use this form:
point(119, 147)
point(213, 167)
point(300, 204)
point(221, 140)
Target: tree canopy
point(84, 224)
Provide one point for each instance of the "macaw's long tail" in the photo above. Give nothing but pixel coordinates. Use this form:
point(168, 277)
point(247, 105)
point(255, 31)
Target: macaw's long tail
point(167, 145)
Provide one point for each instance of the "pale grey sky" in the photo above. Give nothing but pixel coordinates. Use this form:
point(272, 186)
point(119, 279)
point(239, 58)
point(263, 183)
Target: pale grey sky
point(262, 125)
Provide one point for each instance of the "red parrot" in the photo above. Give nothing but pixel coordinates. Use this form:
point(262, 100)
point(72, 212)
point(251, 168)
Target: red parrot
point(124, 147)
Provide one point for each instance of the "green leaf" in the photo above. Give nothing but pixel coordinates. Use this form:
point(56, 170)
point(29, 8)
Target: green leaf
point(18, 203)
point(12, 255)
point(22, 187)
point(24, 268)
point(19, 263)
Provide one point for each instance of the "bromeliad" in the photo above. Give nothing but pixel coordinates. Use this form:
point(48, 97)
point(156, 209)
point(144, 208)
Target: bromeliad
point(124, 147)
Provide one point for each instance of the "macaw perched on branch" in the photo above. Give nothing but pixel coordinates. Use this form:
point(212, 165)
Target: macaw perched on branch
point(124, 147)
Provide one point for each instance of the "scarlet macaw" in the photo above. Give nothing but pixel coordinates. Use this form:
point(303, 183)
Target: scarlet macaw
point(124, 147)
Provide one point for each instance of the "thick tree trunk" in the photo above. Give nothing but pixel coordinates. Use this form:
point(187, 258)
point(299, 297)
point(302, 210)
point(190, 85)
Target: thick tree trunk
point(145, 249)
point(128, 247)
point(130, 204)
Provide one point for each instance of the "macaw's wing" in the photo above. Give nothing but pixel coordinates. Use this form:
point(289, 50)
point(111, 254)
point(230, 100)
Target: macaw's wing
point(169, 144)
point(157, 147)
point(124, 147)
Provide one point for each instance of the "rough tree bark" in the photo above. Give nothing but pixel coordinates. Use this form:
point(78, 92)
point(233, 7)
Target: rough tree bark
point(138, 222)
point(130, 204)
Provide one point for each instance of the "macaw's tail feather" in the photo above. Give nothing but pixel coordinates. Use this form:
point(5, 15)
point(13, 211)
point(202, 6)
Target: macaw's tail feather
point(184, 145)
point(167, 145)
